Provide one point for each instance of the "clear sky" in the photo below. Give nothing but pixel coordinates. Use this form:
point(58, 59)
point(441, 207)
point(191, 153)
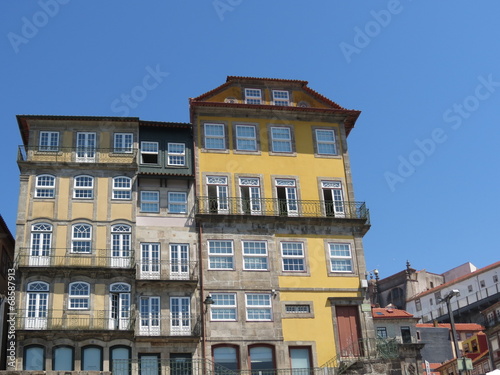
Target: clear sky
point(425, 74)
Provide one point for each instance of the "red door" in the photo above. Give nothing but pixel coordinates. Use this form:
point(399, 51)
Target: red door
point(349, 331)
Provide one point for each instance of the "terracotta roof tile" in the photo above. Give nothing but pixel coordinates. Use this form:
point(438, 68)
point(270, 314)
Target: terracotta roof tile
point(381, 313)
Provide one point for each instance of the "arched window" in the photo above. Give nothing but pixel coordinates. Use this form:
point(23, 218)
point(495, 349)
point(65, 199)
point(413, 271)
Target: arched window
point(41, 242)
point(226, 356)
point(120, 360)
point(92, 358)
point(81, 239)
point(37, 294)
point(34, 358)
point(261, 358)
point(83, 187)
point(79, 296)
point(62, 359)
point(45, 186)
point(121, 245)
point(122, 187)
point(119, 294)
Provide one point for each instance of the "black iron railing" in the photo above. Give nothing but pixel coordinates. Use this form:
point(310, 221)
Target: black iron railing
point(94, 258)
point(282, 207)
point(76, 154)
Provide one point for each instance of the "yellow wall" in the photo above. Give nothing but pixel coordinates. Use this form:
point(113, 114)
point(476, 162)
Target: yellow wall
point(304, 164)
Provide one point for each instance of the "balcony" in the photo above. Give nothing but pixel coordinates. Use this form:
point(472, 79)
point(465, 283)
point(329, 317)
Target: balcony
point(165, 324)
point(55, 154)
point(95, 258)
point(282, 208)
point(167, 270)
point(45, 320)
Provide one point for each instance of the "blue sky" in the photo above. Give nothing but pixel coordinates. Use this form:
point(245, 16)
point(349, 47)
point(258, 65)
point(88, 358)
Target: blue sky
point(425, 74)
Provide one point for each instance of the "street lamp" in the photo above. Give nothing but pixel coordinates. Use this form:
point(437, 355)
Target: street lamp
point(447, 298)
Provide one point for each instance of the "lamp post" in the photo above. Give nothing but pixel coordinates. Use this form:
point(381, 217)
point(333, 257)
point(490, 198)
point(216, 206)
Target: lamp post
point(449, 296)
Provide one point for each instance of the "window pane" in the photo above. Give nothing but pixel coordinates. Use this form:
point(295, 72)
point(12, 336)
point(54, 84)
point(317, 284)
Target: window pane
point(261, 358)
point(121, 361)
point(226, 357)
point(63, 359)
point(149, 365)
point(92, 359)
point(35, 358)
point(300, 359)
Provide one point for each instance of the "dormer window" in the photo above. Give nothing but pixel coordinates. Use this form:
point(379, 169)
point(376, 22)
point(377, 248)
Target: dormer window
point(281, 97)
point(253, 96)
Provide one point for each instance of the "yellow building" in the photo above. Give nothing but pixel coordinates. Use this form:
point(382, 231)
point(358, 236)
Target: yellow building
point(280, 231)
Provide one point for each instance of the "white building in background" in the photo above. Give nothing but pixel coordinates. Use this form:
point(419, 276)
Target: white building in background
point(478, 290)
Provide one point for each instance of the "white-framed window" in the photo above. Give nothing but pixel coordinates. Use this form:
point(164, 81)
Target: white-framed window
point(281, 97)
point(224, 307)
point(381, 332)
point(250, 195)
point(121, 245)
point(79, 296)
point(246, 138)
point(286, 191)
point(253, 96)
point(123, 143)
point(45, 186)
point(325, 142)
point(215, 138)
point(122, 188)
point(83, 187)
point(258, 306)
point(255, 255)
point(150, 201)
point(340, 257)
point(37, 305)
point(149, 152)
point(149, 316)
point(41, 243)
point(281, 139)
point(81, 241)
point(49, 141)
point(220, 255)
point(150, 261)
point(217, 194)
point(333, 198)
point(177, 202)
point(86, 147)
point(292, 255)
point(176, 154)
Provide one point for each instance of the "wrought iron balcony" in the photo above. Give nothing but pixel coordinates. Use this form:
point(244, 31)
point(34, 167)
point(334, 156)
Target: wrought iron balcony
point(167, 270)
point(282, 207)
point(95, 258)
point(168, 324)
point(101, 320)
point(56, 154)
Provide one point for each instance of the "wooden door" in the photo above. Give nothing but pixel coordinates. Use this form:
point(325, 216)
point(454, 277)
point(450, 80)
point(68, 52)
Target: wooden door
point(349, 332)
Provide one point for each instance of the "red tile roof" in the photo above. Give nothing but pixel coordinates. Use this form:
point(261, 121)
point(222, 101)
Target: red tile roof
point(381, 313)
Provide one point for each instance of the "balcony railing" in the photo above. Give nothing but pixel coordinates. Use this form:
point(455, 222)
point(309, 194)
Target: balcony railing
point(165, 324)
point(167, 270)
point(95, 258)
point(56, 154)
point(282, 207)
point(101, 320)
point(157, 366)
